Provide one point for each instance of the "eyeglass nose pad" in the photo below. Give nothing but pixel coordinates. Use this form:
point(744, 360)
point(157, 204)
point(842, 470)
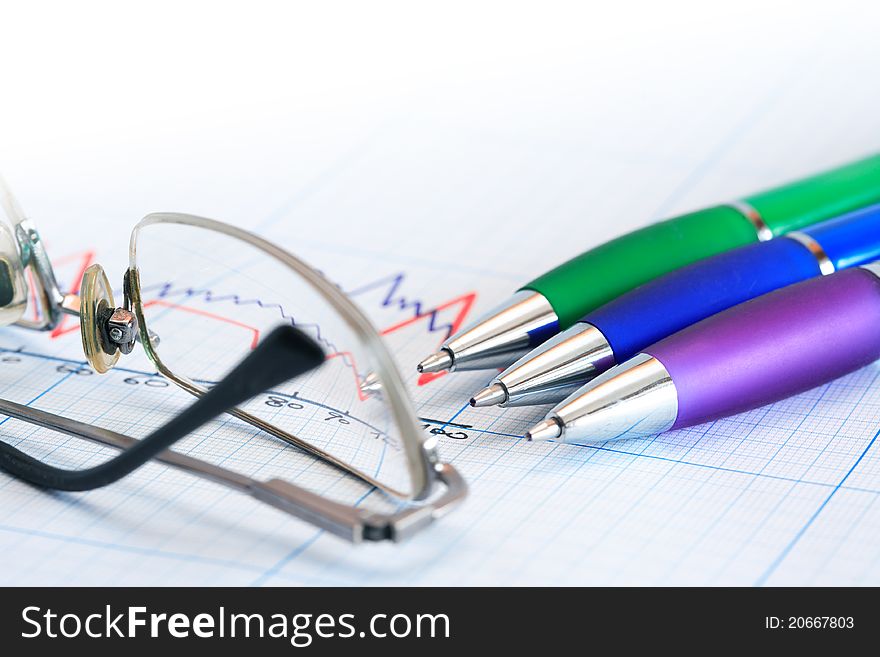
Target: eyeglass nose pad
point(13, 286)
point(96, 303)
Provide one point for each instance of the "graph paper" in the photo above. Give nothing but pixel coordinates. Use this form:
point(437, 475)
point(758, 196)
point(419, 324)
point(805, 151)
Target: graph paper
point(428, 218)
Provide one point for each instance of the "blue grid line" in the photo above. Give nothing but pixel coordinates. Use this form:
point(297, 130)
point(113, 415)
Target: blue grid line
point(299, 549)
point(707, 466)
point(803, 530)
point(151, 552)
point(603, 447)
point(710, 527)
point(42, 394)
point(828, 442)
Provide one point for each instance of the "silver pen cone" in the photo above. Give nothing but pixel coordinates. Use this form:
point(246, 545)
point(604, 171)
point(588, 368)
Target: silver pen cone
point(438, 362)
point(371, 386)
point(632, 400)
point(557, 368)
point(544, 430)
point(489, 396)
point(499, 337)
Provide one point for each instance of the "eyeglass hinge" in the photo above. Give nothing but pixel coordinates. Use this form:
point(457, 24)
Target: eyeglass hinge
point(119, 330)
point(49, 299)
point(398, 527)
point(404, 524)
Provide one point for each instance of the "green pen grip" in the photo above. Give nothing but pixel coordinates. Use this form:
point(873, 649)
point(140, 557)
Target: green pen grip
point(596, 277)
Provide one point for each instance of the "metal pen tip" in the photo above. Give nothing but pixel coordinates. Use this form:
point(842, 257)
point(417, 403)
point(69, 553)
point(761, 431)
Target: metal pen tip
point(438, 362)
point(544, 430)
point(490, 396)
point(371, 385)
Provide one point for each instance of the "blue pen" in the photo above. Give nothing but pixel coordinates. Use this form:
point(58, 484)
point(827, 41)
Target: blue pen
point(622, 328)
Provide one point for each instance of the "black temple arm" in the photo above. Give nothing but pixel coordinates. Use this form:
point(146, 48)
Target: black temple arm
point(284, 354)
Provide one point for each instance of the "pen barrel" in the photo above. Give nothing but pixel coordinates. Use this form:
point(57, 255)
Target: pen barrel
point(673, 302)
point(850, 240)
point(597, 276)
point(773, 347)
point(607, 271)
point(829, 194)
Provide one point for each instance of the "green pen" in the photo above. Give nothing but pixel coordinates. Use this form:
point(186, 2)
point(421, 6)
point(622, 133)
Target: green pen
point(556, 300)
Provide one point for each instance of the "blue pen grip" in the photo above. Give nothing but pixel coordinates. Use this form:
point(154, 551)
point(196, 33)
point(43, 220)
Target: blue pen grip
point(672, 302)
point(850, 240)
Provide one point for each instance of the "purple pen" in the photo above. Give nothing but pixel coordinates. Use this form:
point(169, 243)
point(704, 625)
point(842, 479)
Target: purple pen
point(756, 353)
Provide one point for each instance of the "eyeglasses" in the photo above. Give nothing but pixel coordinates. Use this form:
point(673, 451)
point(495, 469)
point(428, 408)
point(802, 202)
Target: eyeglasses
point(252, 331)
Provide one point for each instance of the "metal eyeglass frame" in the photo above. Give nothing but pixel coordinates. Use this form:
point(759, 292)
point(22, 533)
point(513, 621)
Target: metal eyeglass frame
point(425, 467)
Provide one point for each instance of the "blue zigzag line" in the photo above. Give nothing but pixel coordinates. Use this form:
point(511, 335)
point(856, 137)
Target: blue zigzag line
point(166, 290)
point(391, 299)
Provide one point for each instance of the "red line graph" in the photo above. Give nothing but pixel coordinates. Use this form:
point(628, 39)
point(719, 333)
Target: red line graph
point(255, 337)
point(429, 315)
point(354, 370)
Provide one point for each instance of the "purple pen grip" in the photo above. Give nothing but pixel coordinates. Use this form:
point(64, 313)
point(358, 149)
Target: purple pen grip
point(774, 346)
